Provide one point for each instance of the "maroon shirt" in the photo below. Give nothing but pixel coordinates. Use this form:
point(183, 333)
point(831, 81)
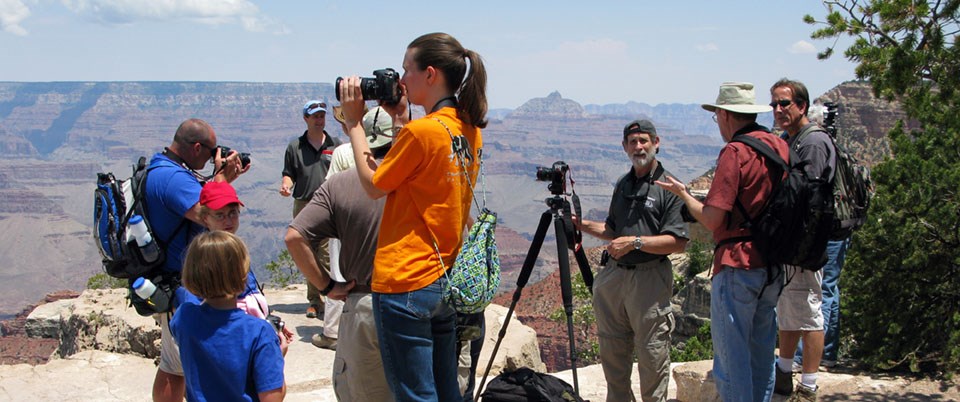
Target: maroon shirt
point(741, 174)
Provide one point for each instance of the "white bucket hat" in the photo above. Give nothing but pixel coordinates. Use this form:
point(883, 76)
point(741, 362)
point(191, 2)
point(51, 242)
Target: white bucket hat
point(378, 126)
point(737, 97)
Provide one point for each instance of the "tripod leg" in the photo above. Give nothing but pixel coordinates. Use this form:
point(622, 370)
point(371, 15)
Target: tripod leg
point(522, 279)
point(566, 291)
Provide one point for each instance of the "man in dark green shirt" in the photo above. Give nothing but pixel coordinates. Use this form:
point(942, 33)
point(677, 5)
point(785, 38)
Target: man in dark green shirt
point(305, 165)
point(631, 294)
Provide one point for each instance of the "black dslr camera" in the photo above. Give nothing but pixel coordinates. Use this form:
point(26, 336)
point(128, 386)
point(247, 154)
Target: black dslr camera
point(556, 175)
point(830, 118)
point(224, 151)
point(384, 86)
point(278, 323)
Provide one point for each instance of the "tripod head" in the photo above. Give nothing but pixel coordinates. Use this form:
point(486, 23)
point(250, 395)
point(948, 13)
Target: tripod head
point(560, 207)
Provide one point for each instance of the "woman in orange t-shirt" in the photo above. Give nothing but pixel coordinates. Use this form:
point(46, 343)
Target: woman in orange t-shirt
point(428, 203)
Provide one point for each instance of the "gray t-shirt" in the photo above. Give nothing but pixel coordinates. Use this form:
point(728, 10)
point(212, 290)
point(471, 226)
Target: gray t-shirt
point(341, 209)
point(815, 146)
point(641, 208)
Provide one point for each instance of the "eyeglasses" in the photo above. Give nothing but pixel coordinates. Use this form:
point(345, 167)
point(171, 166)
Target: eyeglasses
point(221, 216)
point(783, 103)
point(714, 117)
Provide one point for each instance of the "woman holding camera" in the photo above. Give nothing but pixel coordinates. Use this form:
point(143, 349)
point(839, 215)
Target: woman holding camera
point(428, 204)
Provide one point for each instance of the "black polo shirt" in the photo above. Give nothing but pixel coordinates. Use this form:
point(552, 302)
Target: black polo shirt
point(306, 165)
point(641, 208)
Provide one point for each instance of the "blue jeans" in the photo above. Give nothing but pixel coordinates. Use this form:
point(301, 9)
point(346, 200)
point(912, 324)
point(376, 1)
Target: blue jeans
point(743, 324)
point(836, 254)
point(418, 344)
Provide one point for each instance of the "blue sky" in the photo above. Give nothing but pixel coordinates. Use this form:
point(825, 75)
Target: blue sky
point(591, 51)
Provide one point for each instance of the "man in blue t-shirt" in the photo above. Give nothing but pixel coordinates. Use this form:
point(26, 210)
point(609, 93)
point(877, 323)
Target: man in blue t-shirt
point(173, 204)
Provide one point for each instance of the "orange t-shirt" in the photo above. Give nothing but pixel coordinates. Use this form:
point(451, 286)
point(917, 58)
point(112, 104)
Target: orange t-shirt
point(426, 186)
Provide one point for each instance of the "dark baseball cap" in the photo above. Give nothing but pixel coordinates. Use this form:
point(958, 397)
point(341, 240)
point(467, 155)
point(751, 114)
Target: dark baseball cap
point(639, 126)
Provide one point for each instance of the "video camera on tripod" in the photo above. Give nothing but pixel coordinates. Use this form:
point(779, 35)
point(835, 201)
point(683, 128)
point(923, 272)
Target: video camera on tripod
point(830, 118)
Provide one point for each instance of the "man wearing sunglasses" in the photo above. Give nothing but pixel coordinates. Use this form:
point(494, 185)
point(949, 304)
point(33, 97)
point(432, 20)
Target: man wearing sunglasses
point(799, 306)
point(631, 294)
point(173, 208)
point(305, 165)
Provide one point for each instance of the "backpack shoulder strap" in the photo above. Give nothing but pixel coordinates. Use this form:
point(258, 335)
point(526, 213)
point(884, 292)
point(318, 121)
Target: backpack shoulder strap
point(771, 157)
point(763, 149)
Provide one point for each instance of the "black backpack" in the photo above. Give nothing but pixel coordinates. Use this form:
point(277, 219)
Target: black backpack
point(797, 220)
point(114, 203)
point(526, 385)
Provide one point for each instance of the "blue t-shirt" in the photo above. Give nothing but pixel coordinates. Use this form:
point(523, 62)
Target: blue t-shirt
point(227, 355)
point(170, 192)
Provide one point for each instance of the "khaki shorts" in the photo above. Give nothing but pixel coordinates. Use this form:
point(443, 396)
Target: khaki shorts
point(798, 308)
point(169, 351)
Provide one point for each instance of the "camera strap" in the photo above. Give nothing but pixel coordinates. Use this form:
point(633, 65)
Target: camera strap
point(450, 101)
point(170, 154)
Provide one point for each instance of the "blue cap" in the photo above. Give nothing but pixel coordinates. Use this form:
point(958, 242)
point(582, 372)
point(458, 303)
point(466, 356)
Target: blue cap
point(137, 284)
point(314, 106)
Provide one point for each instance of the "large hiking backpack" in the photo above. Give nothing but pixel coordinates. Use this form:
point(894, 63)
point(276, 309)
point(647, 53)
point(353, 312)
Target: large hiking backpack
point(114, 203)
point(526, 385)
point(852, 190)
point(796, 221)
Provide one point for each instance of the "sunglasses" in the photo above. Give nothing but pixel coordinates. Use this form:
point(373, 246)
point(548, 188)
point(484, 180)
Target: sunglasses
point(783, 103)
point(314, 106)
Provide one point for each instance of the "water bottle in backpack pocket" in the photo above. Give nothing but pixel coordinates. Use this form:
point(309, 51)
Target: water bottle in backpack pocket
point(149, 297)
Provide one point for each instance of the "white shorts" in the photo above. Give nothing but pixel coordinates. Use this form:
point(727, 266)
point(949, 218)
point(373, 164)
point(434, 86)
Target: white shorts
point(169, 351)
point(798, 308)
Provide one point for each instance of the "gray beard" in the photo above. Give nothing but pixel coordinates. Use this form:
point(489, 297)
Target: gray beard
point(640, 163)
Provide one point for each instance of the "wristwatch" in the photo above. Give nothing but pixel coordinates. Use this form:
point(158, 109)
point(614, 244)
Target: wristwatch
point(325, 291)
point(637, 243)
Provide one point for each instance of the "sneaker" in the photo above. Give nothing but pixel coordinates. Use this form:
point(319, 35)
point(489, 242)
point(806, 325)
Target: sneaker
point(784, 382)
point(323, 342)
point(804, 394)
point(796, 367)
point(828, 363)
point(312, 312)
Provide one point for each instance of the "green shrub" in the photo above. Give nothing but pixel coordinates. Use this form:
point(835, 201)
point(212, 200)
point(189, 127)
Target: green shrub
point(101, 280)
point(701, 257)
point(698, 347)
point(283, 272)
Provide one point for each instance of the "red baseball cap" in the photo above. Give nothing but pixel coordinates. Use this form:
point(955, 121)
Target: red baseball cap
point(218, 194)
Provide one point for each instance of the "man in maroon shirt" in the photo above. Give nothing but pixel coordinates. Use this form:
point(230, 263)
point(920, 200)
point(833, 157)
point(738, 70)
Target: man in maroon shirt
point(744, 288)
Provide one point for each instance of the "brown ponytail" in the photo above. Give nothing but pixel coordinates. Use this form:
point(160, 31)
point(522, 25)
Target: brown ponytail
point(445, 53)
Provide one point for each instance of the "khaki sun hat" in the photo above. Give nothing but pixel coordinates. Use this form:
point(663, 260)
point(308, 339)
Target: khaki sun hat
point(737, 97)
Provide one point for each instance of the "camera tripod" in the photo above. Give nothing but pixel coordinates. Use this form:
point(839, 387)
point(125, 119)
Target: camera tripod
point(566, 236)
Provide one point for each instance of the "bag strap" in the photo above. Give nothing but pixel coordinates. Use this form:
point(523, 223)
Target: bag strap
point(460, 147)
point(772, 158)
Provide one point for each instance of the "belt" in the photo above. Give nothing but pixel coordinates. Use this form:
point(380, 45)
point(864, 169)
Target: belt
point(641, 265)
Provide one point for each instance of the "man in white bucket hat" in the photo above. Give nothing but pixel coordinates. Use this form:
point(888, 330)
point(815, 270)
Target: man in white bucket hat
point(744, 290)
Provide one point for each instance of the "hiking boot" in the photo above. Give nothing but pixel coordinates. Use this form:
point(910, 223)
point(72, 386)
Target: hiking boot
point(784, 382)
point(323, 342)
point(804, 393)
point(312, 311)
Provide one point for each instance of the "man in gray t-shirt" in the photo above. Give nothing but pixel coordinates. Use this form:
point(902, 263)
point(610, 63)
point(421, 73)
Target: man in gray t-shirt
point(799, 315)
point(341, 209)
